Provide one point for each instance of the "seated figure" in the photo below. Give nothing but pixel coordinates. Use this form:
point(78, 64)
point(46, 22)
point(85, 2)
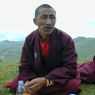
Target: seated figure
point(49, 58)
point(86, 71)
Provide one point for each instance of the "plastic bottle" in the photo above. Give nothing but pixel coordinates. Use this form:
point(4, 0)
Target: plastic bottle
point(20, 88)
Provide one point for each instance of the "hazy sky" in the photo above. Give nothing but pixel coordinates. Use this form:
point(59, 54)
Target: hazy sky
point(75, 17)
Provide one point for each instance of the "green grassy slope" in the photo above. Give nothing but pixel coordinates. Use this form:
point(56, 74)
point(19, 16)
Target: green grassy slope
point(85, 48)
point(11, 50)
point(9, 69)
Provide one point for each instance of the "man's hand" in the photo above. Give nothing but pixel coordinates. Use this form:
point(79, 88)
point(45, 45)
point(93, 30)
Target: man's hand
point(35, 85)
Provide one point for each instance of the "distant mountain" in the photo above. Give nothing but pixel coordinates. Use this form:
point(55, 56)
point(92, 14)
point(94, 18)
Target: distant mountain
point(79, 39)
point(11, 50)
point(85, 47)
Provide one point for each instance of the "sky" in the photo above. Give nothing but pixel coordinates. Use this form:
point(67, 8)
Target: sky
point(75, 17)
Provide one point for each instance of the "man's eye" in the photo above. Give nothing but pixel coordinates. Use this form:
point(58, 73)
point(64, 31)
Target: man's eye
point(44, 17)
point(52, 17)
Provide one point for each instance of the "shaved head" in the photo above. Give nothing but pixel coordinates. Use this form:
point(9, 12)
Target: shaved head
point(42, 6)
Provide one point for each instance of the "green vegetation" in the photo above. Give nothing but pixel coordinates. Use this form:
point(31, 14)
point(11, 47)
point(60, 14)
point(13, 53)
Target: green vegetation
point(87, 89)
point(85, 48)
point(8, 70)
point(11, 51)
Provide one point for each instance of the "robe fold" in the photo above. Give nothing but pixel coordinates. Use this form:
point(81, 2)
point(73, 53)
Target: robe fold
point(86, 71)
point(61, 62)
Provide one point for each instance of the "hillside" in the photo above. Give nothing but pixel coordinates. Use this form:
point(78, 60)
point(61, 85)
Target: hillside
point(85, 48)
point(11, 50)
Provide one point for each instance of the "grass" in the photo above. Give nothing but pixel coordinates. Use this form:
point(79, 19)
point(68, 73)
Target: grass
point(9, 69)
point(87, 89)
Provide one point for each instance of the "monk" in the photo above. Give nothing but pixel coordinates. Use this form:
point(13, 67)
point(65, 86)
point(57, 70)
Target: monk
point(49, 58)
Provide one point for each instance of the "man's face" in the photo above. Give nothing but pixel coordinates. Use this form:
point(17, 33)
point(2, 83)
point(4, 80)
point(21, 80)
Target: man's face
point(45, 20)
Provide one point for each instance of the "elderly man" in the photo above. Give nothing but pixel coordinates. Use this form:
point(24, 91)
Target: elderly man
point(49, 59)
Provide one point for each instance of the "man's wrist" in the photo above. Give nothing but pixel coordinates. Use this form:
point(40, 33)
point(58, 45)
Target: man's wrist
point(49, 83)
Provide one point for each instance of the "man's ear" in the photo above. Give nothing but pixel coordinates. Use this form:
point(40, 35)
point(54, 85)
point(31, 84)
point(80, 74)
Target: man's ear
point(35, 21)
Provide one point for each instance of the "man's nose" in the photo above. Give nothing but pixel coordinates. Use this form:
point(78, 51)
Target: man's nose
point(48, 21)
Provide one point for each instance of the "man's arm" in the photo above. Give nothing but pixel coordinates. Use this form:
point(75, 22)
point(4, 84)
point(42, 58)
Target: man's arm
point(26, 69)
point(61, 75)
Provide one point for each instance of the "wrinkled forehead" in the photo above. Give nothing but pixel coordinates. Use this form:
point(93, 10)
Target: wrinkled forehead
point(47, 11)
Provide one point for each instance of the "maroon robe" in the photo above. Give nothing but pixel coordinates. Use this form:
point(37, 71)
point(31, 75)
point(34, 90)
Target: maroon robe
point(60, 65)
point(86, 71)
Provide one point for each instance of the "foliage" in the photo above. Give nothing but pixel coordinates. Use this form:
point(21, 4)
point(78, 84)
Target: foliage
point(85, 48)
point(9, 69)
point(87, 89)
point(7, 72)
point(11, 50)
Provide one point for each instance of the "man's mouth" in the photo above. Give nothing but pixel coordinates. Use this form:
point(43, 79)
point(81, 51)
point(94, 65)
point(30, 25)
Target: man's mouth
point(48, 29)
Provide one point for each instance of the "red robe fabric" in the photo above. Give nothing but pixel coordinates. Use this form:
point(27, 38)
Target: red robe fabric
point(59, 66)
point(86, 71)
point(44, 47)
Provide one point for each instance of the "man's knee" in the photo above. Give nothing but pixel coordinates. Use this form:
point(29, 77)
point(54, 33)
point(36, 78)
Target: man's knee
point(73, 86)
